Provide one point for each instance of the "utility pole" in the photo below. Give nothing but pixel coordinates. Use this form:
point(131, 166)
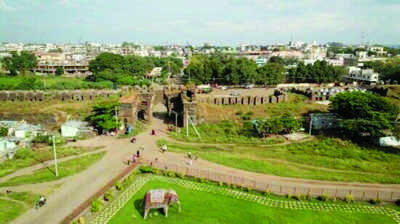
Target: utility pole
point(310, 126)
point(116, 119)
point(55, 155)
point(187, 124)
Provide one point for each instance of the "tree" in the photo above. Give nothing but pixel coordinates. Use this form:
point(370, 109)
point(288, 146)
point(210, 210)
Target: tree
point(271, 73)
point(60, 71)
point(22, 62)
point(3, 131)
point(284, 124)
point(276, 59)
point(106, 61)
point(364, 114)
point(103, 117)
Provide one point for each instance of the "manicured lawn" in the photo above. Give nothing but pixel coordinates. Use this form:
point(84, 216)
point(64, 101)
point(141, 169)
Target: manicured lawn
point(26, 157)
point(9, 210)
point(320, 159)
point(202, 207)
point(65, 169)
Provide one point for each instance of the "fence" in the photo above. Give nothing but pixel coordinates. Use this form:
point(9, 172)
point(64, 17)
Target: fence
point(280, 189)
point(84, 205)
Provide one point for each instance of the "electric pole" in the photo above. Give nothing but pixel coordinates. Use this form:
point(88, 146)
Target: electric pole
point(55, 155)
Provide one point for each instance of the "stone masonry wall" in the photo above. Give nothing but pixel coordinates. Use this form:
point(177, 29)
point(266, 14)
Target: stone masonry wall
point(75, 95)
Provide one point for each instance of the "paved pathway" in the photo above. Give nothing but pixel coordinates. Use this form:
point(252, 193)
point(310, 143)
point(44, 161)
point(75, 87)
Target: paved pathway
point(78, 188)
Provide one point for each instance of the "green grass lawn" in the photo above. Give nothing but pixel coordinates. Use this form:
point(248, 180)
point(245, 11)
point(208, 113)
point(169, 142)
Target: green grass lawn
point(202, 207)
point(9, 210)
point(320, 159)
point(65, 169)
point(49, 83)
point(27, 157)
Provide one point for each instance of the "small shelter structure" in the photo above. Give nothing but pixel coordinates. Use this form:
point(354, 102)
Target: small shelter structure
point(75, 128)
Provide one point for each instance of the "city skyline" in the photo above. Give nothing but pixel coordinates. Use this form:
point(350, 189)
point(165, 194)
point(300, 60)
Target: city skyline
point(227, 22)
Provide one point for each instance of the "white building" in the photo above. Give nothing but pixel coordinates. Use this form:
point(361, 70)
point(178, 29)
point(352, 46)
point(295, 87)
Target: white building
point(261, 61)
point(74, 129)
point(366, 75)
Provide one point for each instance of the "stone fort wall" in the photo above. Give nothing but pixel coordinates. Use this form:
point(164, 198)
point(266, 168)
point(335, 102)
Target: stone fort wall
point(244, 100)
point(75, 95)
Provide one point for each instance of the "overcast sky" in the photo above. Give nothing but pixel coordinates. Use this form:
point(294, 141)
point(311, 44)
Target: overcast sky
point(200, 21)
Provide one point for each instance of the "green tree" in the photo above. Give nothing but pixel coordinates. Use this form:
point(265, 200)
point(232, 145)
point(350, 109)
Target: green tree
point(106, 61)
point(19, 62)
point(3, 131)
point(60, 71)
point(276, 59)
point(271, 73)
point(364, 114)
point(103, 117)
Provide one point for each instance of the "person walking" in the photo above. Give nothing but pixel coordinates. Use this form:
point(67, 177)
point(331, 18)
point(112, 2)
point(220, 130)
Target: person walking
point(138, 154)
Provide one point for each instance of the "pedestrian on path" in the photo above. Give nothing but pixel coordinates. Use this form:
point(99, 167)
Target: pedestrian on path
point(133, 140)
point(138, 154)
point(133, 158)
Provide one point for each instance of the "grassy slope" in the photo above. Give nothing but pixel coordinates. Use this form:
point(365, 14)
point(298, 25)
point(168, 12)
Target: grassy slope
point(201, 207)
point(42, 112)
point(27, 157)
point(320, 159)
point(9, 210)
point(65, 169)
point(296, 106)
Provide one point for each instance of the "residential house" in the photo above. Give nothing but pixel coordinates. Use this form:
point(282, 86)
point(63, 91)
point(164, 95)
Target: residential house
point(75, 128)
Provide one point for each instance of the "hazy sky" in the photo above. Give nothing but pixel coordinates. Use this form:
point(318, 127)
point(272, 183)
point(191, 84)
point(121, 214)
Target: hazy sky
point(200, 21)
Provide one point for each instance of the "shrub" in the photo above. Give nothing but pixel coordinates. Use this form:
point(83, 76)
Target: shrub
point(146, 169)
point(118, 186)
point(323, 197)
point(170, 174)
point(108, 196)
point(267, 192)
point(397, 202)
point(349, 198)
point(289, 196)
point(81, 220)
point(308, 197)
point(96, 205)
point(300, 197)
point(180, 175)
point(42, 139)
point(375, 201)
point(3, 132)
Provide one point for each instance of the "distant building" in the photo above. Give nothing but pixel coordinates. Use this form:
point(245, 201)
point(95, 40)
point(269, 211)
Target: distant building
point(362, 54)
point(378, 50)
point(261, 61)
point(363, 75)
point(8, 147)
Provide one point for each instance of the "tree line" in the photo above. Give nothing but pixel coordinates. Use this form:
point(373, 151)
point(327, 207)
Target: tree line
point(226, 70)
point(131, 69)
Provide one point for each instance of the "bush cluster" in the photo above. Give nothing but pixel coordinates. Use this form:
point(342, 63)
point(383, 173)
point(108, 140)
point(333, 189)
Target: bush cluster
point(95, 206)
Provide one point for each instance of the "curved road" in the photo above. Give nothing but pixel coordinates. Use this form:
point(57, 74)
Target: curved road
point(76, 189)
